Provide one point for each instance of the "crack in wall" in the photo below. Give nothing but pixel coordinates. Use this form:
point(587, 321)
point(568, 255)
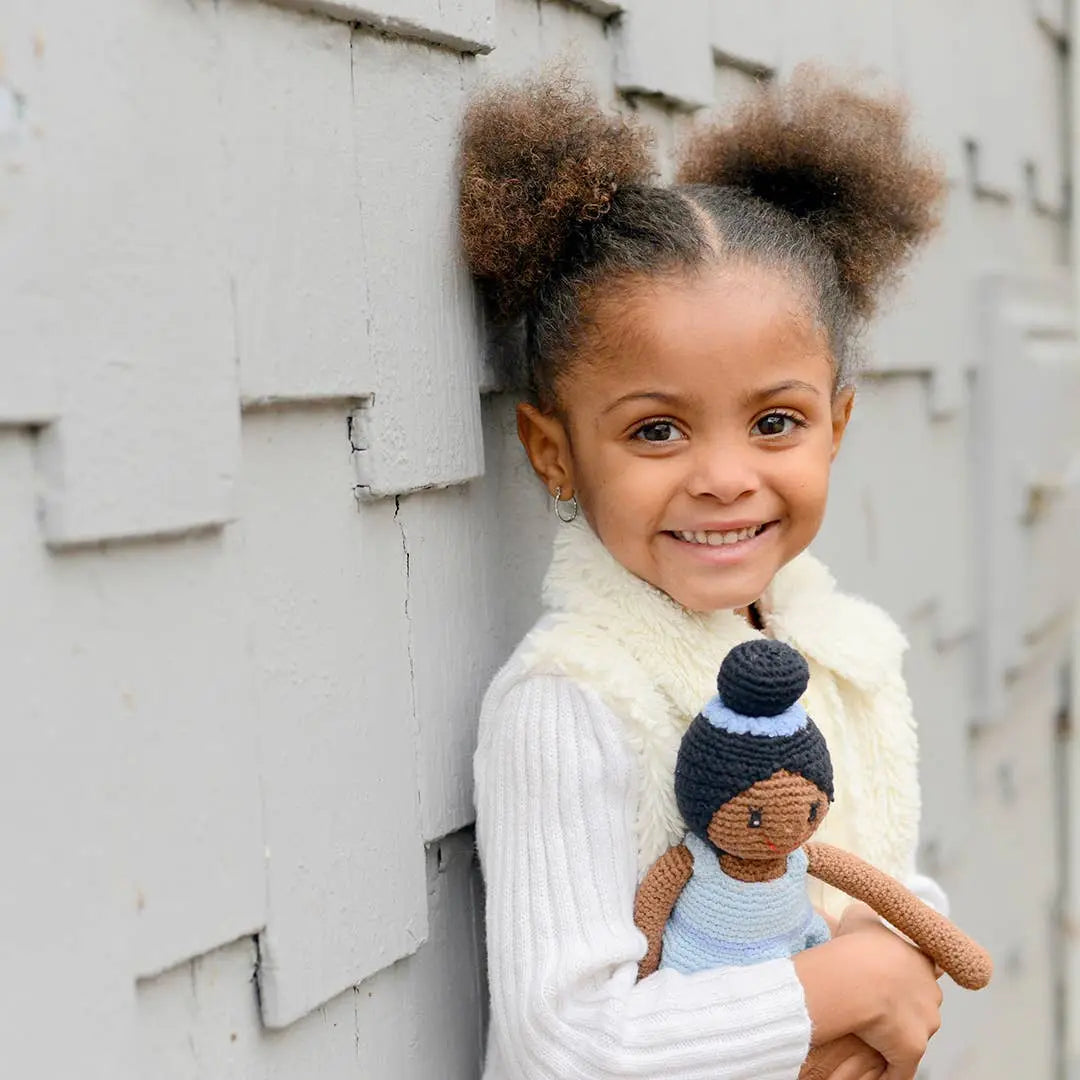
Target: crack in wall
point(408, 614)
point(414, 713)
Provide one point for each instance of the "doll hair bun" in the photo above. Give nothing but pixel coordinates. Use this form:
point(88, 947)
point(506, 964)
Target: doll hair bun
point(837, 160)
point(762, 678)
point(540, 162)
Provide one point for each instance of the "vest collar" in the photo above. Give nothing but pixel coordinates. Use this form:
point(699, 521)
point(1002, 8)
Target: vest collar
point(801, 606)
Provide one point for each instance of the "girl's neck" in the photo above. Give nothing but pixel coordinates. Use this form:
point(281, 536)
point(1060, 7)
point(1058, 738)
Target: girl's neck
point(752, 615)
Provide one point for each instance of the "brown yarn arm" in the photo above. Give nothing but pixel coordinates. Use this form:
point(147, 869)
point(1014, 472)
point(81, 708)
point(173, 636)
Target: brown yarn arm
point(960, 956)
point(656, 896)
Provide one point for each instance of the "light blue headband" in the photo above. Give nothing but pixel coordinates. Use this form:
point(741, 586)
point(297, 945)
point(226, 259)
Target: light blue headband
point(791, 720)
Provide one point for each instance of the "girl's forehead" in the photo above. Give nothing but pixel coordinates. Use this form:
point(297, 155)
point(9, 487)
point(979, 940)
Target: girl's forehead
point(728, 330)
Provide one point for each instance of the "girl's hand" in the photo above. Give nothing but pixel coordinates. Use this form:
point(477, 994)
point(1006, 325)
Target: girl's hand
point(858, 915)
point(848, 1058)
point(869, 982)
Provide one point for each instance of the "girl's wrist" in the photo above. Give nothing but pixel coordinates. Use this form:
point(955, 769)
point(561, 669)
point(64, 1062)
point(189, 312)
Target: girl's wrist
point(840, 999)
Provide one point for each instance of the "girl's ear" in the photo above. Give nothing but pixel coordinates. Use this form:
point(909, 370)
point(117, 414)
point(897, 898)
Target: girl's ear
point(548, 446)
point(841, 414)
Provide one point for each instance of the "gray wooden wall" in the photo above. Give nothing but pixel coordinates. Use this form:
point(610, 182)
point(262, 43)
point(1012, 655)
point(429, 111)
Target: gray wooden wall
point(265, 531)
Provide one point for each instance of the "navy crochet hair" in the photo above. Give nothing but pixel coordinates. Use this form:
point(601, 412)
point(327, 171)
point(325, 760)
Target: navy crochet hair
point(714, 765)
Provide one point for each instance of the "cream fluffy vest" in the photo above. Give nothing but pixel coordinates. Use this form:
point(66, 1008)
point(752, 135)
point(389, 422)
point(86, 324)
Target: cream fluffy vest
point(654, 665)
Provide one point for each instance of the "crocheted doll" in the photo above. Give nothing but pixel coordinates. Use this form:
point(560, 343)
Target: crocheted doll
point(753, 782)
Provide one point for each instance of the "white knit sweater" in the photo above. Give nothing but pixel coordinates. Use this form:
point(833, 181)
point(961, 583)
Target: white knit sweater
point(574, 782)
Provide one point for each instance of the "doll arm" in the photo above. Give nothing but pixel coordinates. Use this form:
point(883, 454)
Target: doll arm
point(960, 956)
point(656, 896)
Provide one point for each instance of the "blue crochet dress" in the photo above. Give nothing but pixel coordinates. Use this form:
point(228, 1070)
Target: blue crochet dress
point(719, 921)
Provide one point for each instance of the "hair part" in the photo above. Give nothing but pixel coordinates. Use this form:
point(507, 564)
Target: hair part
point(809, 178)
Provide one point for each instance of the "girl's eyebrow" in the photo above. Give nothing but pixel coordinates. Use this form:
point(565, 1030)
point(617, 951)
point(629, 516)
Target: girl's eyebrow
point(748, 399)
point(647, 395)
point(780, 388)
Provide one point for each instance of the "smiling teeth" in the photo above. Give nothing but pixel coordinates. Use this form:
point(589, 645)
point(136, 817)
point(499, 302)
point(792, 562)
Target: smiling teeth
point(716, 539)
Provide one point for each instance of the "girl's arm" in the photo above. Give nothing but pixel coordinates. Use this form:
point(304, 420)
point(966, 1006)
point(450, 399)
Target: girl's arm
point(556, 795)
point(656, 896)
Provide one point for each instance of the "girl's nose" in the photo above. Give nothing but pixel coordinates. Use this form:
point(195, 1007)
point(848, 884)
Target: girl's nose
point(724, 471)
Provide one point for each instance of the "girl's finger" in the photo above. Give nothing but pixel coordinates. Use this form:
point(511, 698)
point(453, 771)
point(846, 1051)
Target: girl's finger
point(901, 1071)
point(860, 1067)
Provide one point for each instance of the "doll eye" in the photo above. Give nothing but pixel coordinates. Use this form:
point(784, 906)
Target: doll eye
point(814, 807)
point(755, 819)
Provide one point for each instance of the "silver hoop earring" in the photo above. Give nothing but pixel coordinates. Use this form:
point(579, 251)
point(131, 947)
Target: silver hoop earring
point(557, 504)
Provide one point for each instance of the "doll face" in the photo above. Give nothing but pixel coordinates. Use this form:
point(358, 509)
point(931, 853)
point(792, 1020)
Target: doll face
point(770, 819)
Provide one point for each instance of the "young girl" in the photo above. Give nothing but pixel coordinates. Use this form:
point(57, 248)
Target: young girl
point(689, 352)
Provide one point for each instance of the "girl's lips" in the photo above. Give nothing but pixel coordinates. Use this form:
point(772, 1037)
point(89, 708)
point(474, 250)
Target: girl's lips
point(723, 554)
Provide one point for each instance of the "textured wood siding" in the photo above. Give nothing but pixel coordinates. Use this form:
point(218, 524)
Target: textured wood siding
point(266, 532)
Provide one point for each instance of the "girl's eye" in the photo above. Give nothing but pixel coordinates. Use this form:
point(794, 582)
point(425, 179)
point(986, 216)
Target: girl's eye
point(814, 807)
point(776, 424)
point(658, 431)
point(755, 820)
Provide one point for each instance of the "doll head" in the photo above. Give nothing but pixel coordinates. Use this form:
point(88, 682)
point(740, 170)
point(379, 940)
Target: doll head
point(753, 776)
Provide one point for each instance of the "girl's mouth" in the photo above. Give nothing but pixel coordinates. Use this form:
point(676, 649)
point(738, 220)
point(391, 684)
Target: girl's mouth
point(717, 548)
point(722, 539)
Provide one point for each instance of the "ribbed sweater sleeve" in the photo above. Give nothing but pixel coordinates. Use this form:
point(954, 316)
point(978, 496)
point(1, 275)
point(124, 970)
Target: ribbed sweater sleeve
point(555, 806)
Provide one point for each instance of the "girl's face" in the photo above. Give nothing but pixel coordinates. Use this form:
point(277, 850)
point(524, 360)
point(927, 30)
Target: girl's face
point(699, 431)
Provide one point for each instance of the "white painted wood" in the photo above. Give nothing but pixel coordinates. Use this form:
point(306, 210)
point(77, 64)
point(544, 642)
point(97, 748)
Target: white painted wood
point(531, 33)
point(939, 59)
point(297, 268)
point(883, 533)
point(118, 259)
point(202, 1019)
point(603, 8)
point(337, 736)
point(748, 32)
point(29, 394)
point(407, 1023)
point(150, 643)
point(63, 906)
point(1053, 17)
point(466, 25)
point(160, 640)
point(1029, 377)
point(470, 590)
point(847, 35)
point(1013, 853)
point(927, 323)
point(1071, 906)
point(666, 49)
point(424, 422)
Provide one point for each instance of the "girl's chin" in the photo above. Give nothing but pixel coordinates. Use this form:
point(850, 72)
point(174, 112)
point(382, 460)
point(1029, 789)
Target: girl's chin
point(696, 597)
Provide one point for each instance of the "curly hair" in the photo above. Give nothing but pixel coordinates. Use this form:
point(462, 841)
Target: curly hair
point(809, 177)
